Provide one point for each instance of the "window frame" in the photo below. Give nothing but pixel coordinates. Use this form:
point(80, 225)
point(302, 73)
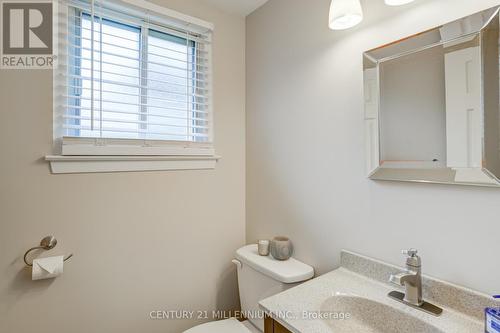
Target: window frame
point(82, 155)
point(102, 146)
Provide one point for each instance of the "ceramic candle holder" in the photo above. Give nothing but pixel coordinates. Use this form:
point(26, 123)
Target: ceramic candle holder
point(281, 248)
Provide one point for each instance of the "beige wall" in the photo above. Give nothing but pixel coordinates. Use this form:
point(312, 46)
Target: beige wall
point(305, 148)
point(142, 241)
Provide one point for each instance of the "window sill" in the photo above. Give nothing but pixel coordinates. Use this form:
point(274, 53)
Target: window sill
point(92, 164)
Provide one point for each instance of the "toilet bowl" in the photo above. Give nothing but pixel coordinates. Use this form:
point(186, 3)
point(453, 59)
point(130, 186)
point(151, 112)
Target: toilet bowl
point(258, 278)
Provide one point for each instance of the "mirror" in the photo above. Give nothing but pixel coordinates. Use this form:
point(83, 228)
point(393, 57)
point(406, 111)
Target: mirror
point(432, 107)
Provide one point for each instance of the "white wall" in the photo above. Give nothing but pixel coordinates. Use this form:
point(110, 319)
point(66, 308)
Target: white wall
point(305, 148)
point(142, 241)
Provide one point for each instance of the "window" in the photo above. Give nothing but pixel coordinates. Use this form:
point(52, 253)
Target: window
point(132, 83)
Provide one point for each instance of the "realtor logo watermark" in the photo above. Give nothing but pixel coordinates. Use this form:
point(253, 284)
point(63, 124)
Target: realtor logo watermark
point(27, 34)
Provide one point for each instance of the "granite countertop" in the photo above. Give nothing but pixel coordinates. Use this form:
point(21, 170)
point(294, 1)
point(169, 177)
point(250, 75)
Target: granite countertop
point(299, 308)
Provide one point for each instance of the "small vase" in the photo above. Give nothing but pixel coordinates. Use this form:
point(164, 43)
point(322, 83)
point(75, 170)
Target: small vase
point(281, 248)
point(263, 247)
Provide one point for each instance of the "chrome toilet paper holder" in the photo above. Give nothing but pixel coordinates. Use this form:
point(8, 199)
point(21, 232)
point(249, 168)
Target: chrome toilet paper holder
point(47, 243)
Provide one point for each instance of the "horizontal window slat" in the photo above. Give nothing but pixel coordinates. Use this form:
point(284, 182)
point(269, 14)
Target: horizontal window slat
point(96, 100)
point(129, 94)
point(201, 81)
point(198, 107)
point(198, 49)
point(138, 122)
point(118, 83)
point(138, 60)
point(121, 130)
point(186, 55)
point(202, 54)
point(142, 114)
point(139, 77)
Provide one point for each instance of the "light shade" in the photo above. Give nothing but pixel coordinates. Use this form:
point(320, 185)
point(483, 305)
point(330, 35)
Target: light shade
point(397, 2)
point(345, 14)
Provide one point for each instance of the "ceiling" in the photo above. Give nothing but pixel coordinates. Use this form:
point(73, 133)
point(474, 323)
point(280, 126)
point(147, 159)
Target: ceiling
point(241, 7)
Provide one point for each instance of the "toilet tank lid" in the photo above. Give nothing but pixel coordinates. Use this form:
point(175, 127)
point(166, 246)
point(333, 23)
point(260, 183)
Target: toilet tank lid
point(287, 271)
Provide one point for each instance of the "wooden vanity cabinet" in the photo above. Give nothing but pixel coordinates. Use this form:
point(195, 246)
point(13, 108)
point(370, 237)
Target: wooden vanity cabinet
point(272, 326)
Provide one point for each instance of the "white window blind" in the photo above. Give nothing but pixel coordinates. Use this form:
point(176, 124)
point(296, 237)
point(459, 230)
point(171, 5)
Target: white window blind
point(132, 82)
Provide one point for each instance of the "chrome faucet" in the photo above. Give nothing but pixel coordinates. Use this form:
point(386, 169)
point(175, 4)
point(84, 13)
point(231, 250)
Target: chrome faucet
point(411, 279)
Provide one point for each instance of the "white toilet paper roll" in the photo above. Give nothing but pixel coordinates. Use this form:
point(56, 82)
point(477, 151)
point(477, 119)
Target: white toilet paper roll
point(46, 268)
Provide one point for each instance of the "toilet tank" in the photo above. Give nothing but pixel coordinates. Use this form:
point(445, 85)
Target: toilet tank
point(260, 277)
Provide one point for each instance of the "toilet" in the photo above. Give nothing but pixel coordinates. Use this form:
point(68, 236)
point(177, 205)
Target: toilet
point(258, 278)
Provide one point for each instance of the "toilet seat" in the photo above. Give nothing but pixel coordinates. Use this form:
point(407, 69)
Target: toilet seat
point(250, 327)
point(231, 325)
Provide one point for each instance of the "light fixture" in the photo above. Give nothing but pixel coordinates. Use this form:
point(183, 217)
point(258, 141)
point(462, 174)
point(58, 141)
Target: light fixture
point(397, 2)
point(345, 14)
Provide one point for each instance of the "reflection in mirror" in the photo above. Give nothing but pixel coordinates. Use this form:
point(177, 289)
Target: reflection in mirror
point(432, 105)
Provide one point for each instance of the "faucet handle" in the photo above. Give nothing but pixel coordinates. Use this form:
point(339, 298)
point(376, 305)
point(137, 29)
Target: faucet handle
point(412, 259)
point(410, 252)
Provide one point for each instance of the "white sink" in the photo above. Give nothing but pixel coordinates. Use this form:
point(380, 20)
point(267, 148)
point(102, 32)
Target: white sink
point(362, 315)
point(319, 304)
